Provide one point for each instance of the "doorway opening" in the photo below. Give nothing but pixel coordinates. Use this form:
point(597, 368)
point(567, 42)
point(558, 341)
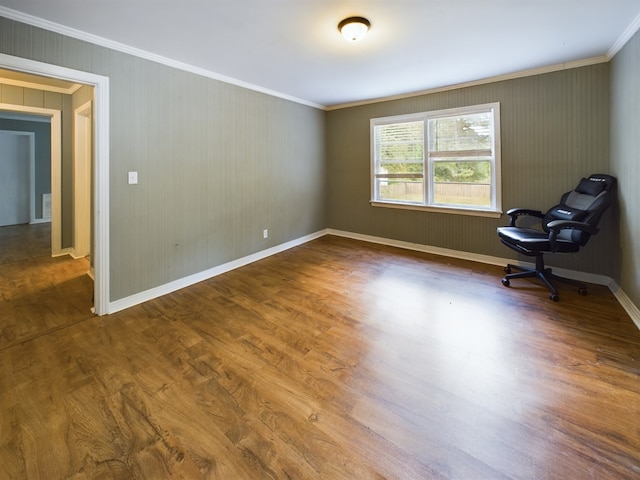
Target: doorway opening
point(94, 146)
point(17, 184)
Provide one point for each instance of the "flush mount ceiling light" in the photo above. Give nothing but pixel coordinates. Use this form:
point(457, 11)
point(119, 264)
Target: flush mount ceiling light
point(353, 29)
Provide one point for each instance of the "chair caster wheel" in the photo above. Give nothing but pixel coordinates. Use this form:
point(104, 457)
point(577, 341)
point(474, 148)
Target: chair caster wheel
point(506, 282)
point(507, 270)
point(554, 297)
point(582, 291)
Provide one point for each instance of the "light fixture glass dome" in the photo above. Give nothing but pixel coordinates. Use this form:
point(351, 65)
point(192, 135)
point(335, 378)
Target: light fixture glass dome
point(353, 29)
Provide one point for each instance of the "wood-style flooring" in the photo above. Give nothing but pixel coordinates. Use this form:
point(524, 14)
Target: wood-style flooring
point(334, 360)
point(38, 293)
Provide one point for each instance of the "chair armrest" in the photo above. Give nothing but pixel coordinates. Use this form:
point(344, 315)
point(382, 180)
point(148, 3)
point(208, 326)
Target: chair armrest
point(556, 226)
point(514, 213)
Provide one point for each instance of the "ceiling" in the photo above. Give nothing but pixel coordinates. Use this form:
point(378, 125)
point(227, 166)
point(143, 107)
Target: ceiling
point(292, 48)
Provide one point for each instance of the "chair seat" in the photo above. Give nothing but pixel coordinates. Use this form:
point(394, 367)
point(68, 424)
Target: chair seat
point(534, 241)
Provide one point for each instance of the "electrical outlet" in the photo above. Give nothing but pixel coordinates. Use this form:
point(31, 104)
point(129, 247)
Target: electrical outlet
point(133, 178)
point(265, 233)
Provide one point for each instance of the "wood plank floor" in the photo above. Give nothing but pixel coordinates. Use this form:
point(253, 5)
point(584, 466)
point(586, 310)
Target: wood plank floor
point(334, 360)
point(38, 293)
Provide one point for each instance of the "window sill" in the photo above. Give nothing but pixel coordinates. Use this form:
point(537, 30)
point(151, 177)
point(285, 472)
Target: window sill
point(431, 208)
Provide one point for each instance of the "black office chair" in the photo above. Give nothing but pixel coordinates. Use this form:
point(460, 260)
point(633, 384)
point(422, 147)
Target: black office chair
point(565, 228)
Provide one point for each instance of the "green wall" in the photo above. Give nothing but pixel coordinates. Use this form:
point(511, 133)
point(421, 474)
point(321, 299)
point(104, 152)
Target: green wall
point(217, 164)
point(554, 131)
point(625, 164)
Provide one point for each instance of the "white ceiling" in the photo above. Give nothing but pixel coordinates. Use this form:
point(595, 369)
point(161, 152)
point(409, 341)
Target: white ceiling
point(293, 48)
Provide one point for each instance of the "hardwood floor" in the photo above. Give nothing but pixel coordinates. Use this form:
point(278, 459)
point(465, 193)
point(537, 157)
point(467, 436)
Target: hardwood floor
point(334, 360)
point(38, 294)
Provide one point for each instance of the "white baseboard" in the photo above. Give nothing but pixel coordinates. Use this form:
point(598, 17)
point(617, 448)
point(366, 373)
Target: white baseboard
point(207, 274)
point(64, 251)
point(631, 309)
point(626, 303)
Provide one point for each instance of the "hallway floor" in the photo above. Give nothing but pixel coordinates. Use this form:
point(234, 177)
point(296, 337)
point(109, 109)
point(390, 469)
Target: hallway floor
point(39, 294)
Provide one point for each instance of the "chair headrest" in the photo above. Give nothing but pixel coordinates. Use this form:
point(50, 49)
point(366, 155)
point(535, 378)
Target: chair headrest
point(595, 184)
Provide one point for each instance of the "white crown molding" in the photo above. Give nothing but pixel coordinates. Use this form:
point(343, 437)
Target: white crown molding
point(499, 78)
point(617, 46)
point(120, 47)
point(624, 38)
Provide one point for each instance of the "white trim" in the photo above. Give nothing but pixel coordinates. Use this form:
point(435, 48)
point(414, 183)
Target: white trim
point(624, 38)
point(82, 167)
point(483, 81)
point(120, 47)
point(436, 209)
point(428, 163)
point(170, 287)
point(62, 252)
point(23, 118)
point(626, 303)
point(101, 159)
point(32, 176)
point(136, 52)
point(49, 88)
point(184, 282)
point(632, 310)
point(418, 247)
point(473, 257)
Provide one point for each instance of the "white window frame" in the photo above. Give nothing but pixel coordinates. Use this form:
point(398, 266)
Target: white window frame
point(494, 211)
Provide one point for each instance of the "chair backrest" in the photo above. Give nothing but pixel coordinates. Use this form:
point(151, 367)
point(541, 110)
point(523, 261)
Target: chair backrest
point(586, 203)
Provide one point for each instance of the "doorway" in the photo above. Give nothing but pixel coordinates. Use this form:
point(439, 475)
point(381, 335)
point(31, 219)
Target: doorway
point(53, 117)
point(99, 175)
point(68, 225)
point(16, 170)
point(41, 288)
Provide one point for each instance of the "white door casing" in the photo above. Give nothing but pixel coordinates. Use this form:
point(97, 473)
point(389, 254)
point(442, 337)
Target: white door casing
point(82, 181)
point(101, 161)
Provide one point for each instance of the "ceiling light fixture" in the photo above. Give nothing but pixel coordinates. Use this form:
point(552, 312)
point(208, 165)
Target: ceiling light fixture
point(353, 29)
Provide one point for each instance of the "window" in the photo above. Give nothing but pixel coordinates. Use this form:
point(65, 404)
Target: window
point(444, 160)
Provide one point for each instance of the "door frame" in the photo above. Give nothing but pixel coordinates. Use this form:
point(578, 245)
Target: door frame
point(101, 161)
point(82, 179)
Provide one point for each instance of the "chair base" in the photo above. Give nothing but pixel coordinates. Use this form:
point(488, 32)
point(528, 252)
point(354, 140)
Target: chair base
point(544, 274)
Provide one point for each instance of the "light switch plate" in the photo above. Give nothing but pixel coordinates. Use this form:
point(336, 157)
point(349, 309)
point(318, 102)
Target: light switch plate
point(133, 178)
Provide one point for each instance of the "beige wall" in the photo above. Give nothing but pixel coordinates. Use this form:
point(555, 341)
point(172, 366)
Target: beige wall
point(625, 161)
point(217, 163)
